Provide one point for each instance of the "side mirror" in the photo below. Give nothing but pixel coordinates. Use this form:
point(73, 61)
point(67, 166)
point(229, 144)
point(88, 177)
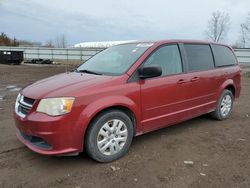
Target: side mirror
point(150, 71)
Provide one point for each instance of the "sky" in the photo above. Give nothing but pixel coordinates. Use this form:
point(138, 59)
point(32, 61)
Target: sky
point(107, 20)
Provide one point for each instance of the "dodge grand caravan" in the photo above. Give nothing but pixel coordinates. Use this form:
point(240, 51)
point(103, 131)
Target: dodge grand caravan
point(124, 91)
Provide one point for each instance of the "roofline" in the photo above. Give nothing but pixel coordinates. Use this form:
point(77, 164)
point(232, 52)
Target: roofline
point(177, 41)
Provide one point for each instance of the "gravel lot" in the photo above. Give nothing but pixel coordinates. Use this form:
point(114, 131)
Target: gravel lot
point(219, 150)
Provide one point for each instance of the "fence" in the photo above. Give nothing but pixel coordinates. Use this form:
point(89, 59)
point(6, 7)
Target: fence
point(82, 54)
point(243, 55)
point(64, 54)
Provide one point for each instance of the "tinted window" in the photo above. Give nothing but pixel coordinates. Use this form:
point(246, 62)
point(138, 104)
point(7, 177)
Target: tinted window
point(223, 56)
point(199, 57)
point(168, 57)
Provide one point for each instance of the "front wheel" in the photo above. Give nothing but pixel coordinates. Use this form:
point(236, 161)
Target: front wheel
point(224, 106)
point(109, 136)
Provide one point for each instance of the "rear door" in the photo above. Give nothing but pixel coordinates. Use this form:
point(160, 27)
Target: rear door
point(202, 79)
point(163, 97)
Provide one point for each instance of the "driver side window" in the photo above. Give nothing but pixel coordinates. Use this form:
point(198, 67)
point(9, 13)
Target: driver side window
point(168, 58)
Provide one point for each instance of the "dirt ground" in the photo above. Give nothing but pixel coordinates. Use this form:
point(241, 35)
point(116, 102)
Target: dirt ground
point(220, 150)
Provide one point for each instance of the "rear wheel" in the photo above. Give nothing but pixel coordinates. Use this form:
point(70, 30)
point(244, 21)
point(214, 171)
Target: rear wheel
point(224, 106)
point(109, 136)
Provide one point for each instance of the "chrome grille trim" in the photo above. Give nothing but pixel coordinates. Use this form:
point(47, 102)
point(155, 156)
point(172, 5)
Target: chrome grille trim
point(22, 108)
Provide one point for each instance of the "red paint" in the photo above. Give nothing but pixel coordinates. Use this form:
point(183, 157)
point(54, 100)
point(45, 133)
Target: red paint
point(156, 102)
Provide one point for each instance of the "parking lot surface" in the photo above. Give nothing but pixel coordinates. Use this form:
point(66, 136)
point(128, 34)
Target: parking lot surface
point(201, 152)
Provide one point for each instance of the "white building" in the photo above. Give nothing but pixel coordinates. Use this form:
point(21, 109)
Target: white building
point(101, 44)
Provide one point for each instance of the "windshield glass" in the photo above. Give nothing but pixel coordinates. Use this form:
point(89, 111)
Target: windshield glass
point(115, 60)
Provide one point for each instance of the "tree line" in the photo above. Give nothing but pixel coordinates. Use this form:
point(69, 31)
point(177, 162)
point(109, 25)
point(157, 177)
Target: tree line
point(219, 25)
point(6, 41)
point(59, 42)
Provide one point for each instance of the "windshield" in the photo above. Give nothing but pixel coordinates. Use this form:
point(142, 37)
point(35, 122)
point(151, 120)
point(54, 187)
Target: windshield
point(115, 60)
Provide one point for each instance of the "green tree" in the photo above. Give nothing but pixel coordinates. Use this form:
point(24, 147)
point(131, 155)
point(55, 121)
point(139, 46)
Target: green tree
point(4, 40)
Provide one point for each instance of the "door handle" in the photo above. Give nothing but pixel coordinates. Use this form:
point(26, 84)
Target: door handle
point(181, 81)
point(194, 79)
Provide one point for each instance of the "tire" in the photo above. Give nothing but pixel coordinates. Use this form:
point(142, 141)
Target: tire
point(226, 99)
point(112, 128)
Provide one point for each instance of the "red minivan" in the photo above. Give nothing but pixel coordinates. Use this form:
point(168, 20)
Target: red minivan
point(124, 91)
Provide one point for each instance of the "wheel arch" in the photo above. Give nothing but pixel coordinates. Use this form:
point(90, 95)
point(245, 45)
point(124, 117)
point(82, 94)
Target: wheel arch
point(121, 108)
point(231, 88)
point(228, 84)
point(123, 104)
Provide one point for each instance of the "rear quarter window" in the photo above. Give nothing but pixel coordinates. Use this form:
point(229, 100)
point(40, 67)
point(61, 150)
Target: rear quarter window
point(223, 56)
point(199, 57)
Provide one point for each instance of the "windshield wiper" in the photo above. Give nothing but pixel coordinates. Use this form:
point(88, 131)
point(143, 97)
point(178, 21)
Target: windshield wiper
point(88, 72)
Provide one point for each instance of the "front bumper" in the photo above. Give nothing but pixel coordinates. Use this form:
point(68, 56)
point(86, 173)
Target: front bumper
point(49, 135)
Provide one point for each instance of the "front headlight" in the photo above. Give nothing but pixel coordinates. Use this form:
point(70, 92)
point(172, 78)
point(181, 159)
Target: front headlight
point(55, 106)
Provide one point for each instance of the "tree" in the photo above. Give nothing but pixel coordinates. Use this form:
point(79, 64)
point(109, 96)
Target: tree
point(61, 41)
point(28, 43)
point(7, 41)
point(15, 42)
point(49, 44)
point(245, 32)
point(218, 26)
point(4, 40)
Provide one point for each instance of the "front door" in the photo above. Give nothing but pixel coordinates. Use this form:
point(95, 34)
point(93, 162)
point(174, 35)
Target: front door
point(163, 98)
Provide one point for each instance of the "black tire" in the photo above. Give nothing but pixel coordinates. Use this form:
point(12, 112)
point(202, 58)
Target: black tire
point(94, 128)
point(217, 114)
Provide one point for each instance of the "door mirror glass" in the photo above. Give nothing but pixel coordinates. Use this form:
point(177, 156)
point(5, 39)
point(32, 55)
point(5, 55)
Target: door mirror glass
point(150, 71)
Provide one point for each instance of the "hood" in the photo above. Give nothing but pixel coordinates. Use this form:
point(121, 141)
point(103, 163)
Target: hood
point(65, 84)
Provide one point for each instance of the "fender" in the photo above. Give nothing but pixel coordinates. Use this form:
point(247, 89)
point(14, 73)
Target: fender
point(223, 86)
point(91, 110)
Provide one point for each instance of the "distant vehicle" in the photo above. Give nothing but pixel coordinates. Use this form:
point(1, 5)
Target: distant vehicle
point(124, 91)
point(40, 61)
point(11, 57)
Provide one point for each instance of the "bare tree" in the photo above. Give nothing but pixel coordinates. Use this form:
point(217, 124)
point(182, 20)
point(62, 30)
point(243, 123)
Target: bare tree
point(49, 44)
point(218, 26)
point(243, 39)
point(245, 32)
point(61, 41)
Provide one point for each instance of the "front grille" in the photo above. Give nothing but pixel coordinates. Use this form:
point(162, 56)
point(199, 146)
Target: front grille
point(36, 141)
point(28, 100)
point(23, 105)
point(23, 109)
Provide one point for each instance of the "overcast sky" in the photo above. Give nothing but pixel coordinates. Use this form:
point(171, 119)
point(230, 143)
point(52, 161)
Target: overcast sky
point(95, 20)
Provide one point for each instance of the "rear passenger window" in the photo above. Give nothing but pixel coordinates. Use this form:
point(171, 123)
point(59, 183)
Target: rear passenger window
point(223, 56)
point(199, 57)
